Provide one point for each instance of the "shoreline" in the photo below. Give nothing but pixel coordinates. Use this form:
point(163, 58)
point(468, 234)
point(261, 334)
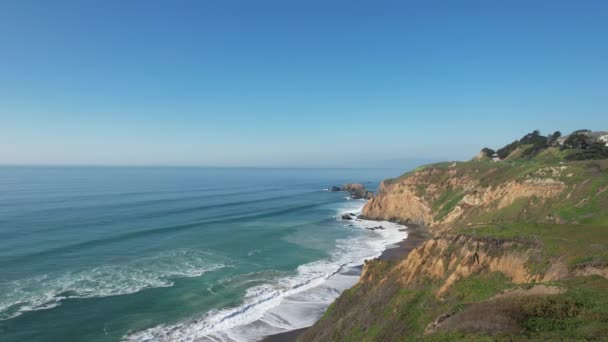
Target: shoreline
point(416, 235)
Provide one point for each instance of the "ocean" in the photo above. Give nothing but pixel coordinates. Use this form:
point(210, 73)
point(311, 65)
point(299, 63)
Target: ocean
point(176, 254)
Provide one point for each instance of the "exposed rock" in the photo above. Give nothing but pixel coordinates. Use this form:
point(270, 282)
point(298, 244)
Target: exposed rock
point(347, 217)
point(433, 325)
point(453, 257)
point(414, 198)
point(357, 191)
point(587, 270)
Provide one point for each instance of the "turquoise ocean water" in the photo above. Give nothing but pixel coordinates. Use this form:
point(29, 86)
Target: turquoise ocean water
point(175, 254)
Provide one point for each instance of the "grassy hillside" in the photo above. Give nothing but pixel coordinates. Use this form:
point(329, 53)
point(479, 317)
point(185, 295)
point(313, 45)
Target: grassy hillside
point(394, 313)
point(537, 205)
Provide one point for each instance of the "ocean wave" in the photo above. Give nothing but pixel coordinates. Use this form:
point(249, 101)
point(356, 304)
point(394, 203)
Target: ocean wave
point(222, 218)
point(158, 212)
point(290, 302)
point(49, 290)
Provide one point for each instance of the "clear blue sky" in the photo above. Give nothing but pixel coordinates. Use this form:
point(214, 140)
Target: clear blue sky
point(293, 83)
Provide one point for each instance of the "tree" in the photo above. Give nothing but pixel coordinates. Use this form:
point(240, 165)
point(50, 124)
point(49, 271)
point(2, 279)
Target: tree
point(534, 138)
point(488, 152)
point(576, 140)
point(552, 141)
point(506, 150)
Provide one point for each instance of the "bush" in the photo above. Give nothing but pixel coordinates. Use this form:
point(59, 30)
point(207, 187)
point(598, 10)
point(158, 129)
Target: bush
point(537, 141)
point(488, 152)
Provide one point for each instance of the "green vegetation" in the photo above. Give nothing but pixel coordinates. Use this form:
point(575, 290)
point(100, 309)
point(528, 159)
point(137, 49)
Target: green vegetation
point(447, 201)
point(479, 287)
point(591, 152)
point(580, 144)
point(576, 244)
point(583, 201)
point(580, 313)
point(395, 313)
point(455, 336)
point(532, 144)
point(488, 152)
point(567, 229)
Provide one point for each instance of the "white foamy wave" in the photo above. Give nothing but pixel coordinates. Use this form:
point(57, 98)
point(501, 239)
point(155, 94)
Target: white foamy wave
point(47, 291)
point(291, 302)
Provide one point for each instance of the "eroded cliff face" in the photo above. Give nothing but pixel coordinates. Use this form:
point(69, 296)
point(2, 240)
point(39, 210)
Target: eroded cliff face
point(450, 258)
point(448, 196)
point(389, 294)
point(440, 197)
point(398, 202)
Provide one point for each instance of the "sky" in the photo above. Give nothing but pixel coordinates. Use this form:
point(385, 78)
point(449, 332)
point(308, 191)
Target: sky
point(293, 83)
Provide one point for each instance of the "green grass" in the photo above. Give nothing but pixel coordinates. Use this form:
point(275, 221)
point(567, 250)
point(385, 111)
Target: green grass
point(448, 200)
point(479, 287)
point(576, 244)
point(578, 314)
point(581, 313)
point(511, 213)
point(415, 308)
point(418, 307)
point(588, 202)
point(552, 155)
point(454, 336)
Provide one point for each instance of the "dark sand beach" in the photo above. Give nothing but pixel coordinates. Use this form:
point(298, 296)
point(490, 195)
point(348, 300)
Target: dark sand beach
point(416, 234)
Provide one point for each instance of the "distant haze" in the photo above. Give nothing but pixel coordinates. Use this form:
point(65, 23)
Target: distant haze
point(293, 84)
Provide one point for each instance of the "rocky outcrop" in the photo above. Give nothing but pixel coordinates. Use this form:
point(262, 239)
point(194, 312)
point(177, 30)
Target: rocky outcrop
point(398, 202)
point(355, 190)
point(349, 216)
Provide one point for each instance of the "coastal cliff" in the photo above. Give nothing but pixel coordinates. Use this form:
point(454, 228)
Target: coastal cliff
point(519, 250)
point(442, 195)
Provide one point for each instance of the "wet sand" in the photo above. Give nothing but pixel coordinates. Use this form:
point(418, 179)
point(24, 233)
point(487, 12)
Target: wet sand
point(416, 235)
point(289, 336)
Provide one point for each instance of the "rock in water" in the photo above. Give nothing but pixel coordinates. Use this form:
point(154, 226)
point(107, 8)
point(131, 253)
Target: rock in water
point(357, 190)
